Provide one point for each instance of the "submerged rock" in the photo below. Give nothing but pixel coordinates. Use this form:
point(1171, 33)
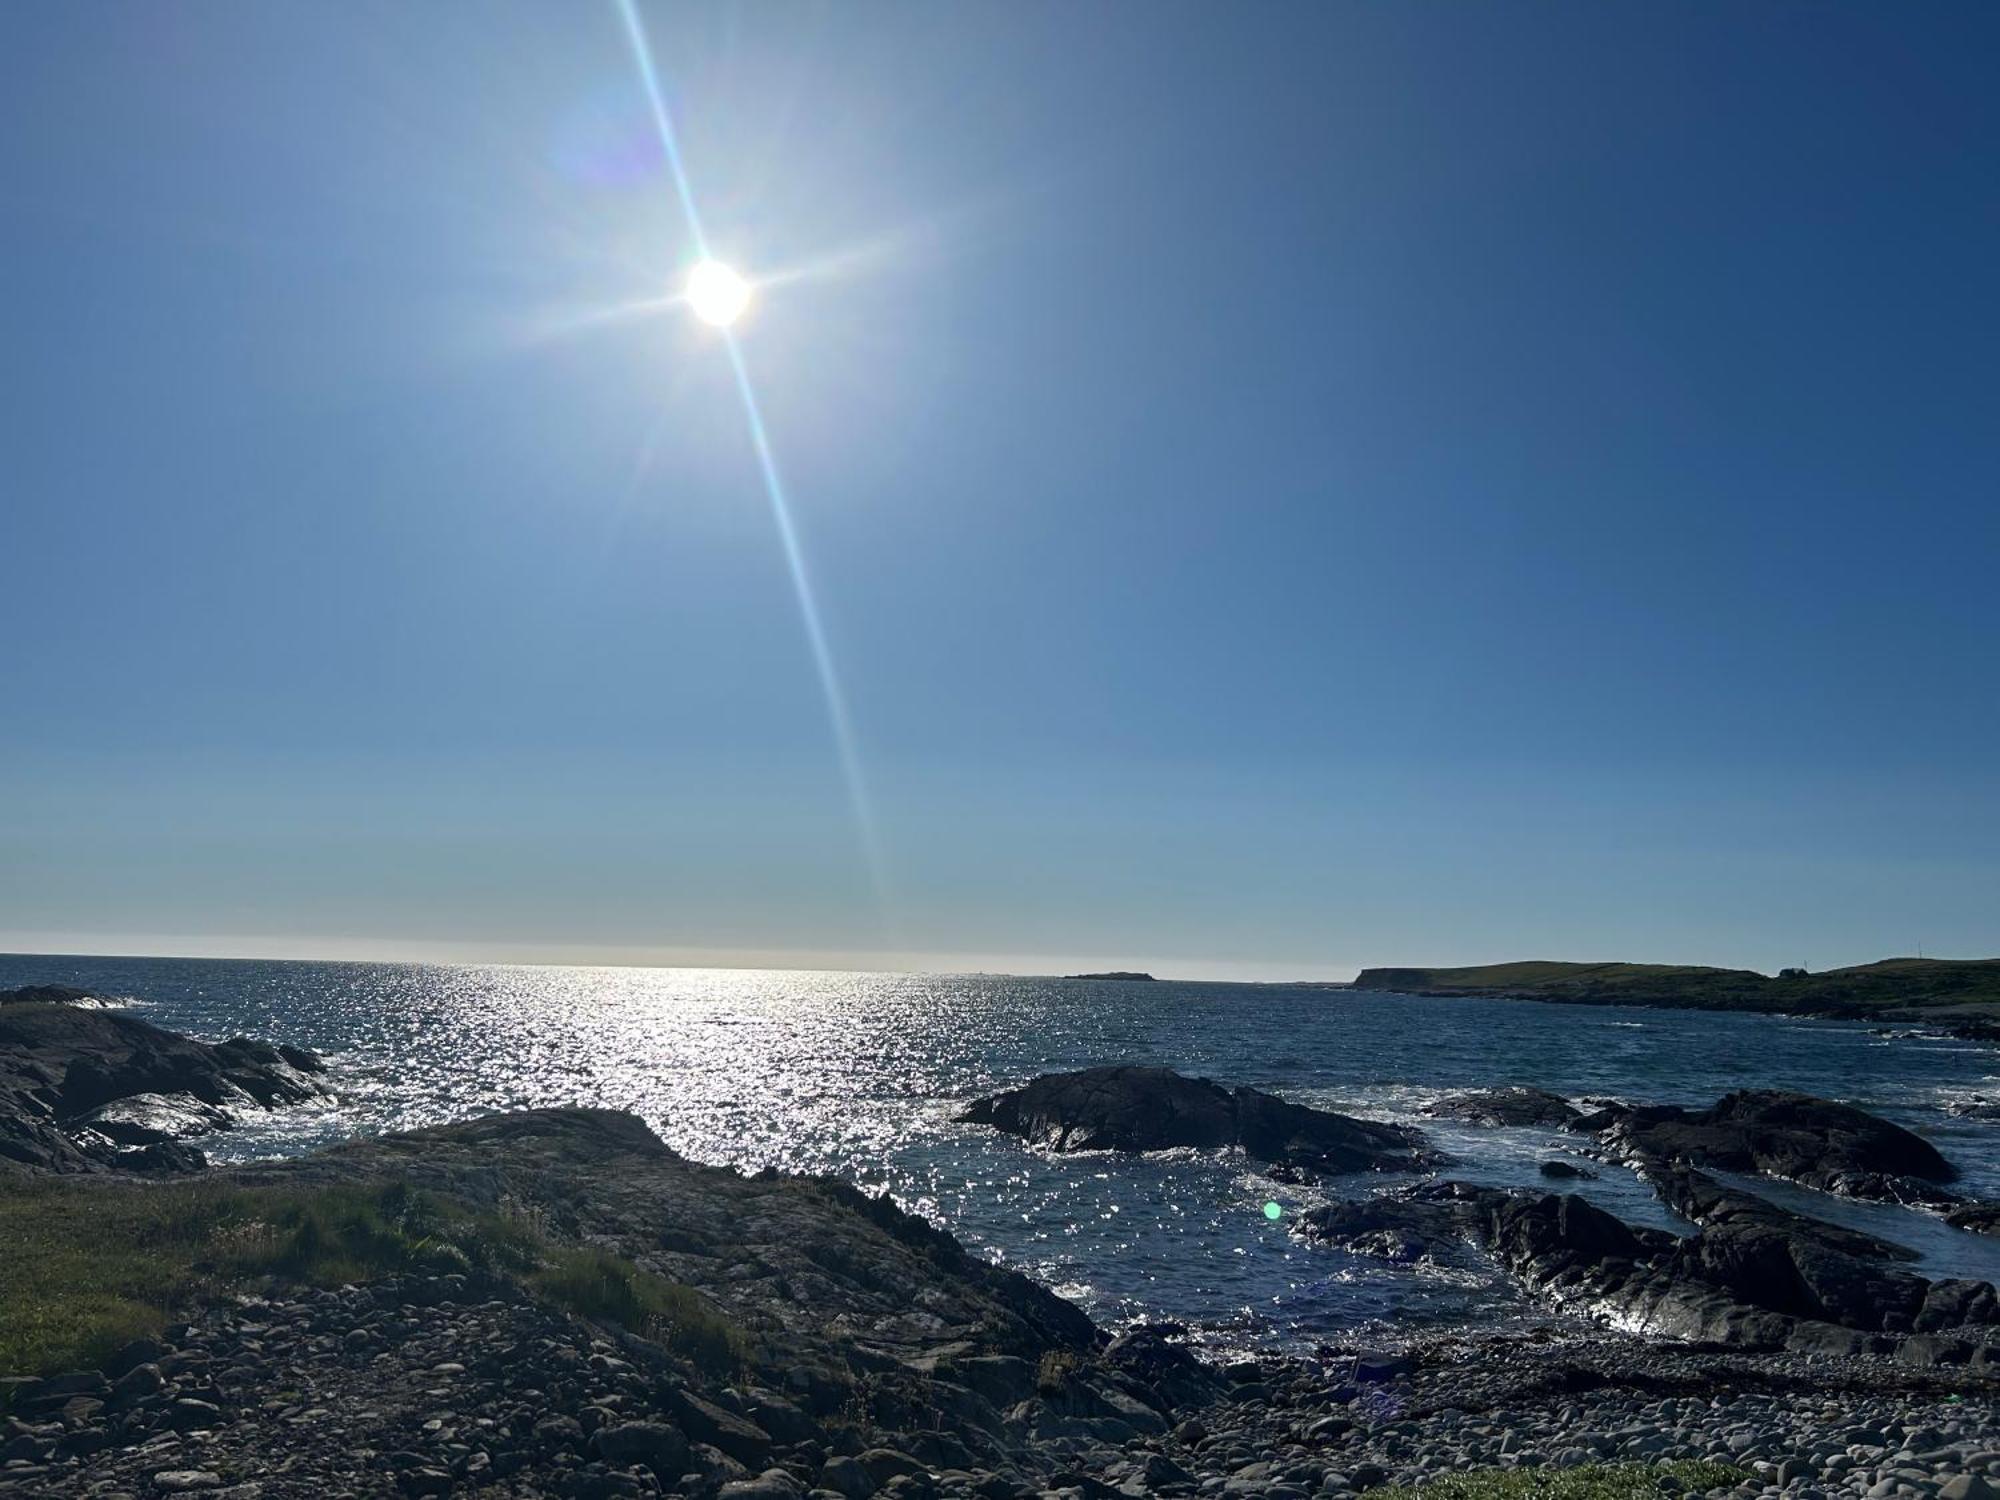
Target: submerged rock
point(50, 994)
point(1516, 1105)
point(1155, 1109)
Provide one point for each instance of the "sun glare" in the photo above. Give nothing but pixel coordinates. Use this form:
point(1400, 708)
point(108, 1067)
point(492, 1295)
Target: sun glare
point(717, 293)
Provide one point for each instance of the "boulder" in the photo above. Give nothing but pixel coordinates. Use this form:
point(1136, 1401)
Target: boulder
point(1154, 1109)
point(659, 1446)
point(1566, 1170)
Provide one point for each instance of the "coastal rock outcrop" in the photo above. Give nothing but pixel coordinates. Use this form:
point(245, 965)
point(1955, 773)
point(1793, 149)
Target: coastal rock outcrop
point(1816, 1143)
point(85, 1089)
point(1754, 1275)
point(869, 1355)
point(1515, 1105)
point(1154, 1109)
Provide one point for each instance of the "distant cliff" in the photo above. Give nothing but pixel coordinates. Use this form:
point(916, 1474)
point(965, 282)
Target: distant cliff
point(1939, 991)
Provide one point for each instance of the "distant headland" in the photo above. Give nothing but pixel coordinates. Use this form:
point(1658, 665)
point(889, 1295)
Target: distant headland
point(1931, 991)
point(1132, 974)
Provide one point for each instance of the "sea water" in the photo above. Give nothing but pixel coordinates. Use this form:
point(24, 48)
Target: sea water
point(862, 1076)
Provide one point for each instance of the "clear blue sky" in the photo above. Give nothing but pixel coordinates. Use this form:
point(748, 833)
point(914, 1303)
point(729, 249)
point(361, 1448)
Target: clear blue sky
point(1287, 488)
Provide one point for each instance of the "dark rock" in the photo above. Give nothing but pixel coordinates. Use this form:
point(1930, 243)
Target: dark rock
point(1377, 1369)
point(186, 1481)
point(81, 1443)
point(772, 1484)
point(1979, 1218)
point(138, 1352)
point(706, 1422)
point(138, 1382)
point(884, 1464)
point(558, 1432)
point(660, 1447)
point(780, 1418)
point(1820, 1144)
point(163, 1159)
point(1518, 1105)
point(1153, 1109)
point(1401, 1227)
point(845, 1474)
point(148, 1119)
point(1755, 1275)
point(1002, 1379)
point(49, 994)
point(188, 1414)
point(65, 1070)
point(1566, 1170)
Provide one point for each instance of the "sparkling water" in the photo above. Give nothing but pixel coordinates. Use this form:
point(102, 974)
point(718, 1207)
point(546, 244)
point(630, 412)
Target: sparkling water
point(861, 1076)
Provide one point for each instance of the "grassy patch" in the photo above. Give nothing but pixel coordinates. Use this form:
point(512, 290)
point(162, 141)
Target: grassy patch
point(1584, 1482)
point(593, 1282)
point(92, 1265)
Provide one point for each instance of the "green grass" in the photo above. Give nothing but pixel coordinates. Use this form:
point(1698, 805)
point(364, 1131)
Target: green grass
point(594, 1283)
point(93, 1265)
point(1584, 1482)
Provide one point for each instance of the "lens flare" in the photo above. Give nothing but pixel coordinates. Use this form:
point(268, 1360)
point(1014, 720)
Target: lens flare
point(774, 490)
point(717, 293)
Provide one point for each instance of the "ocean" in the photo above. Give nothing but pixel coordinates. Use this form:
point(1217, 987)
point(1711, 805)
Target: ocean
point(861, 1076)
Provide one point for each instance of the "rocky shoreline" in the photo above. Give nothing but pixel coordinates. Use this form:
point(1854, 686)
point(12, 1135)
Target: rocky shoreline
point(554, 1303)
point(86, 1088)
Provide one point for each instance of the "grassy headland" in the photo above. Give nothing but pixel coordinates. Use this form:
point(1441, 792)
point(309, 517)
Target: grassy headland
point(96, 1264)
point(1937, 991)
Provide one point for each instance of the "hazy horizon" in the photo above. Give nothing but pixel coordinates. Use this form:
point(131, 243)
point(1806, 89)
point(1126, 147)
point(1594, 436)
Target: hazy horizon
point(366, 951)
point(1328, 486)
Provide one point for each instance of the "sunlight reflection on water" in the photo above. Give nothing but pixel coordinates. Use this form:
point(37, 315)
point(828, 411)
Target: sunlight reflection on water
point(861, 1076)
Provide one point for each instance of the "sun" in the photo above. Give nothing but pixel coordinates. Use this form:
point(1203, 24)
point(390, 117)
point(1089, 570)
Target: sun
point(717, 293)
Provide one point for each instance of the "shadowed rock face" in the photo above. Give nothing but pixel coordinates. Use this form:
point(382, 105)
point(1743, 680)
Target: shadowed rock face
point(1518, 1105)
point(1154, 1109)
point(802, 1257)
point(1815, 1142)
point(77, 1084)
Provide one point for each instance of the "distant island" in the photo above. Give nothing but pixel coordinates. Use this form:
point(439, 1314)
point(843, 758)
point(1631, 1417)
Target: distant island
point(1116, 974)
point(1931, 991)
